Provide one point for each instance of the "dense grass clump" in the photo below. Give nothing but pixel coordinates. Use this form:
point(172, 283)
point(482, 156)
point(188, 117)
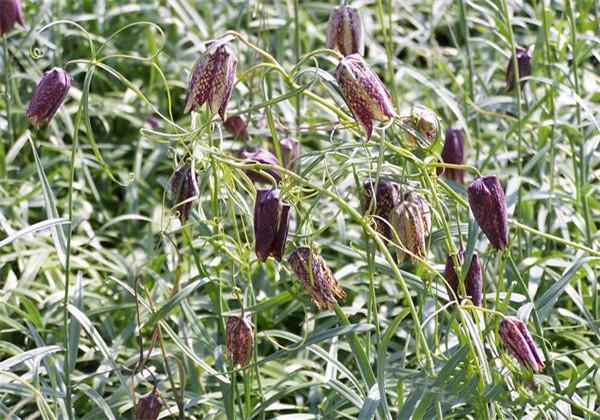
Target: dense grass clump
point(299, 209)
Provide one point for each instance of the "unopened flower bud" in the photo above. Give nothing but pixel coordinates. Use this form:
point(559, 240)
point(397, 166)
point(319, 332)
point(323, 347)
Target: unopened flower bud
point(263, 156)
point(425, 123)
point(240, 340)
point(518, 340)
point(453, 153)
point(316, 277)
point(236, 126)
point(345, 31)
point(184, 190)
point(148, 407)
point(10, 14)
point(271, 221)
point(48, 95)
point(473, 279)
point(487, 202)
point(524, 66)
point(290, 151)
point(411, 221)
point(212, 79)
point(387, 196)
point(363, 91)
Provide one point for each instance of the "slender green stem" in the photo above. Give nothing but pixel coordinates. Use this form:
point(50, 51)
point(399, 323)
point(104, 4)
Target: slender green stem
point(388, 51)
point(7, 97)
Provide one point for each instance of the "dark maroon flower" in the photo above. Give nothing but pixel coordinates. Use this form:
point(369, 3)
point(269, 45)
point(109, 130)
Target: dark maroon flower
point(271, 221)
point(518, 340)
point(240, 340)
point(487, 202)
point(523, 64)
point(345, 31)
point(260, 155)
point(316, 277)
point(387, 196)
point(48, 95)
point(154, 124)
point(184, 190)
point(290, 151)
point(10, 14)
point(148, 407)
point(453, 153)
point(473, 279)
point(212, 79)
point(364, 92)
point(236, 126)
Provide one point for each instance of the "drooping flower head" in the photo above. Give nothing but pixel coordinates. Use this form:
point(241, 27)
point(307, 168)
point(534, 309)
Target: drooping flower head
point(184, 190)
point(473, 279)
point(411, 221)
point(271, 221)
point(240, 340)
point(363, 91)
point(524, 66)
point(260, 155)
point(10, 14)
point(212, 79)
point(345, 31)
point(236, 126)
point(48, 95)
point(316, 277)
point(148, 407)
point(290, 151)
point(387, 196)
point(518, 340)
point(424, 122)
point(487, 202)
point(454, 153)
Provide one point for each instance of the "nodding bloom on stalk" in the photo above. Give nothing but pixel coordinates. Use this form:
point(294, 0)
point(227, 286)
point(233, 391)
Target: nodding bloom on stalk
point(487, 202)
point(48, 95)
point(518, 340)
point(184, 190)
point(345, 31)
point(387, 196)
point(454, 153)
point(148, 407)
point(363, 91)
point(425, 123)
point(316, 277)
point(10, 14)
point(290, 151)
point(411, 221)
point(236, 126)
point(240, 340)
point(473, 278)
point(523, 65)
point(271, 221)
point(212, 79)
point(260, 155)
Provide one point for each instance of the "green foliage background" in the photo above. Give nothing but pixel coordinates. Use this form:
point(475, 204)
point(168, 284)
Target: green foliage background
point(93, 211)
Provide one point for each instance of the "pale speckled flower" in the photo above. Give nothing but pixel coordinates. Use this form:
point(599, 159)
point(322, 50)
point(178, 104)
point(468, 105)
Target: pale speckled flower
point(184, 190)
point(411, 221)
point(212, 79)
point(523, 65)
point(345, 31)
point(316, 277)
point(518, 340)
point(10, 14)
point(488, 204)
point(48, 95)
point(424, 122)
point(454, 153)
point(473, 278)
point(240, 340)
point(271, 221)
point(364, 92)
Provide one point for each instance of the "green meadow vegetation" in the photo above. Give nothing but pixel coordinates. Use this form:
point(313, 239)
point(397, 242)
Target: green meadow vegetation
point(441, 202)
